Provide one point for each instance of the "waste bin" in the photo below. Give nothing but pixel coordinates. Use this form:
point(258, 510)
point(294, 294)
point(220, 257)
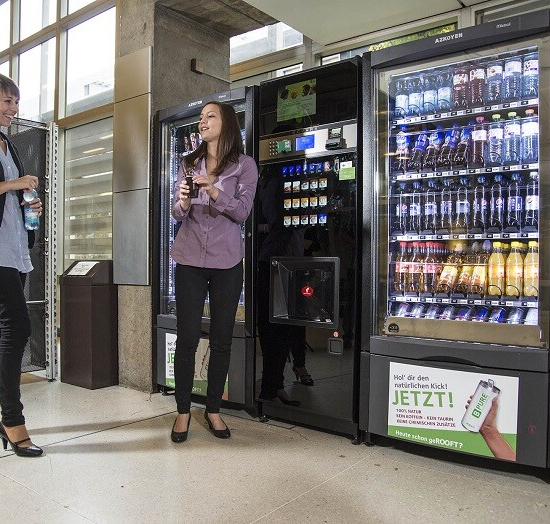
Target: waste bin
point(89, 316)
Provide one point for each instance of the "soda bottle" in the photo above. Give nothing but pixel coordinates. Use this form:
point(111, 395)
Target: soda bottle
point(418, 150)
point(446, 212)
point(514, 204)
point(416, 207)
point(462, 155)
point(479, 143)
point(514, 271)
point(478, 282)
point(415, 270)
point(430, 208)
point(431, 264)
point(430, 94)
point(32, 222)
point(496, 205)
point(462, 209)
point(530, 79)
point(416, 95)
point(495, 140)
point(402, 152)
point(435, 140)
point(496, 269)
point(444, 90)
point(530, 137)
point(449, 274)
point(461, 89)
point(511, 79)
point(400, 221)
point(401, 269)
point(494, 83)
point(401, 98)
point(512, 140)
point(479, 206)
point(464, 278)
point(531, 222)
point(444, 160)
point(531, 271)
point(477, 85)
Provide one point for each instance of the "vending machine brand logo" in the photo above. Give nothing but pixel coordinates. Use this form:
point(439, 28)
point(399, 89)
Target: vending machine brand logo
point(447, 38)
point(393, 328)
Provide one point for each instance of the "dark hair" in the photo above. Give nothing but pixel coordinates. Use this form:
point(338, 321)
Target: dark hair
point(230, 143)
point(8, 86)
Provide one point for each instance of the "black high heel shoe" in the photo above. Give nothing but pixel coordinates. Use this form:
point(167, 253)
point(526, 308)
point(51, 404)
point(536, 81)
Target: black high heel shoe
point(29, 451)
point(282, 395)
point(180, 436)
point(303, 376)
point(220, 433)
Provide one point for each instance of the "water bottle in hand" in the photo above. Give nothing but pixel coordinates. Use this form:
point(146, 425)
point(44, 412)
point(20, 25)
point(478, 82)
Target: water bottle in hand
point(32, 221)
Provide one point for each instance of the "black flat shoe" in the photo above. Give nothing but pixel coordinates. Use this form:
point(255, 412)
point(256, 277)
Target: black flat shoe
point(285, 399)
point(220, 433)
point(303, 376)
point(181, 436)
point(29, 451)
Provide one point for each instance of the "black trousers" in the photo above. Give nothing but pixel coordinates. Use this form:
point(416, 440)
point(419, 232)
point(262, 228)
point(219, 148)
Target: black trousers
point(15, 330)
point(224, 287)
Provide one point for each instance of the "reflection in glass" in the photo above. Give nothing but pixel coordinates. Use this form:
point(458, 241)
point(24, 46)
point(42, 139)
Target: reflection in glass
point(34, 15)
point(88, 192)
point(90, 68)
point(37, 82)
point(4, 25)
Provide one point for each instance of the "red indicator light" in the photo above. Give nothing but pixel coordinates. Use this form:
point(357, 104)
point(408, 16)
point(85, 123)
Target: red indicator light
point(307, 291)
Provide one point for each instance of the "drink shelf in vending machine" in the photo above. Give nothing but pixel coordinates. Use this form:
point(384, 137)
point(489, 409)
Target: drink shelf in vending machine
point(504, 301)
point(465, 236)
point(413, 175)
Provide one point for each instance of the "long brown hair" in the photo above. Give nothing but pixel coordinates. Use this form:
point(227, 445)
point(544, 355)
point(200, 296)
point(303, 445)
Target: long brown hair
point(8, 86)
point(230, 143)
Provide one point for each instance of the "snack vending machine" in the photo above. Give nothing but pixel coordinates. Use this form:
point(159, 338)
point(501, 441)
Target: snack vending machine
point(460, 316)
point(176, 136)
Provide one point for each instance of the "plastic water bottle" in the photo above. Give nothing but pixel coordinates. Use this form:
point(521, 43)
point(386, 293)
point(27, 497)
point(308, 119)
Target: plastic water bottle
point(494, 83)
point(32, 221)
point(446, 213)
point(512, 139)
point(430, 94)
point(462, 155)
point(479, 143)
point(401, 98)
point(448, 148)
point(479, 206)
point(430, 218)
point(444, 90)
point(514, 206)
point(402, 152)
point(461, 89)
point(416, 95)
point(530, 80)
point(434, 146)
point(416, 207)
point(417, 154)
point(511, 79)
point(495, 140)
point(531, 222)
point(530, 137)
point(462, 208)
point(477, 86)
point(496, 205)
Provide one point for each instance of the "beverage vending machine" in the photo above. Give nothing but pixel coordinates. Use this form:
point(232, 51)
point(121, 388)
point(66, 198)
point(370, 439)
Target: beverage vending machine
point(309, 240)
point(176, 136)
point(460, 325)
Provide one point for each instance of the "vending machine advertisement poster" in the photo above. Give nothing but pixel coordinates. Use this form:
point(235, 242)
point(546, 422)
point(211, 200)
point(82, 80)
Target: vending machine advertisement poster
point(469, 412)
point(202, 357)
point(297, 100)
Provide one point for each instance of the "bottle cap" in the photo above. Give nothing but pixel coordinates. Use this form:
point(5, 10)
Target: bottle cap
point(496, 116)
point(512, 114)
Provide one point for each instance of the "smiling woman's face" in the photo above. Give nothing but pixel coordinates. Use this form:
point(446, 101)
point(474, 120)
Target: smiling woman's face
point(210, 124)
point(9, 105)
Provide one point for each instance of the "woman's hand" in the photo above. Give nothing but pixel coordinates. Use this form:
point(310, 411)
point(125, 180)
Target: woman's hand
point(185, 201)
point(205, 183)
point(27, 183)
point(35, 205)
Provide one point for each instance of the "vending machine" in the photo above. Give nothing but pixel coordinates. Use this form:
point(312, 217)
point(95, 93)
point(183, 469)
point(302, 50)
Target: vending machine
point(460, 330)
point(176, 136)
point(309, 150)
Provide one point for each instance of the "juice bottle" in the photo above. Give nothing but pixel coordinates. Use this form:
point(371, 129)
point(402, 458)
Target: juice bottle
point(478, 282)
point(415, 270)
point(531, 271)
point(430, 269)
point(496, 268)
point(401, 269)
point(514, 271)
point(449, 274)
point(465, 276)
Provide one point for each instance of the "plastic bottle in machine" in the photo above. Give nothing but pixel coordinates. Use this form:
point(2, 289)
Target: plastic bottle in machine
point(401, 269)
point(531, 221)
point(496, 204)
point(462, 155)
point(435, 140)
point(530, 78)
point(461, 89)
point(512, 139)
point(400, 220)
point(530, 137)
point(446, 210)
point(511, 79)
point(462, 206)
point(415, 280)
point(479, 206)
point(496, 271)
point(495, 142)
point(416, 95)
point(514, 271)
point(479, 143)
point(449, 274)
point(402, 152)
point(416, 207)
point(477, 85)
point(478, 282)
point(430, 94)
point(430, 218)
point(531, 271)
point(401, 98)
point(448, 149)
point(494, 83)
point(418, 151)
point(444, 90)
point(431, 266)
point(514, 204)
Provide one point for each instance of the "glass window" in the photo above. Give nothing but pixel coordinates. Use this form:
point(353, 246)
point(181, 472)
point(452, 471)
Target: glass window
point(37, 82)
point(5, 68)
point(263, 41)
point(90, 68)
point(88, 213)
point(75, 5)
point(36, 14)
point(4, 25)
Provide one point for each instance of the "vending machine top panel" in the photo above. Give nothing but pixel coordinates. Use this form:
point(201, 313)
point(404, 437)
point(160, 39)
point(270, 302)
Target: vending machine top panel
point(496, 32)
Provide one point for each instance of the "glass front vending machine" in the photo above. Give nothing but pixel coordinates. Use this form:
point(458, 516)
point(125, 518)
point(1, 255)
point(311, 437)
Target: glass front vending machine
point(460, 316)
point(176, 136)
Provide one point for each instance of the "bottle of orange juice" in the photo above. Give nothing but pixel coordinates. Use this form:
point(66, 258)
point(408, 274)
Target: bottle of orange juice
point(531, 271)
point(496, 271)
point(514, 271)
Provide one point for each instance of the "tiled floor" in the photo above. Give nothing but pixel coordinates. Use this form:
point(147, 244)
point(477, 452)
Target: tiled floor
point(109, 459)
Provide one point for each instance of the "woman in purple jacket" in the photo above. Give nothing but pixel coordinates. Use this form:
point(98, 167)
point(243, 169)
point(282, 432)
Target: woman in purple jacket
point(208, 251)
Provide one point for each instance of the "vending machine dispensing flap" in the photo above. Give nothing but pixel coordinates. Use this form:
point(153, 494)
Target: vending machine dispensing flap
point(305, 291)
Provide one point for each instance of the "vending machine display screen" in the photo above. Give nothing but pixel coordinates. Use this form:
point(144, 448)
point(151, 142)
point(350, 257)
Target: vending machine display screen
point(305, 142)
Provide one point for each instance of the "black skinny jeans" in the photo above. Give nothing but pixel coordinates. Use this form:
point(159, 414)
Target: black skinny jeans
point(224, 287)
point(15, 330)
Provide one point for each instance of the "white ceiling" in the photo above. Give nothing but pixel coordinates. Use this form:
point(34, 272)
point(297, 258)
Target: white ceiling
point(329, 21)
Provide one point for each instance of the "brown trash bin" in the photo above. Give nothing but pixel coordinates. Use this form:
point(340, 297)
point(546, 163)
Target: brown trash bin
point(89, 330)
